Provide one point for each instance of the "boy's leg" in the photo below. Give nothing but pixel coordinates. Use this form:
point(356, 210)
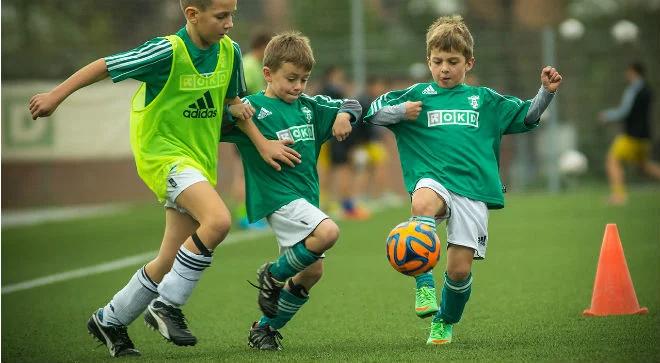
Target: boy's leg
point(203, 203)
point(428, 203)
point(455, 293)
point(108, 324)
point(264, 334)
point(297, 221)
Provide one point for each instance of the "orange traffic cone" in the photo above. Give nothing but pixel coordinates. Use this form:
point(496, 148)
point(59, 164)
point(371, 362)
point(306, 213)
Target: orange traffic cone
point(613, 293)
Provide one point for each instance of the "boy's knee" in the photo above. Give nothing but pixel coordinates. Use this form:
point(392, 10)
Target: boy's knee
point(219, 225)
point(458, 274)
point(427, 206)
point(328, 233)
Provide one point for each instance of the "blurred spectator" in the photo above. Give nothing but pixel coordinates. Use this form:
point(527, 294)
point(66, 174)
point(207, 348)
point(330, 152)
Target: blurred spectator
point(338, 172)
point(633, 145)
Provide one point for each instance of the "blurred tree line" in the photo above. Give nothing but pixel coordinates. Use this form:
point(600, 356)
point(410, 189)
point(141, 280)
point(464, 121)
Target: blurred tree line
point(50, 39)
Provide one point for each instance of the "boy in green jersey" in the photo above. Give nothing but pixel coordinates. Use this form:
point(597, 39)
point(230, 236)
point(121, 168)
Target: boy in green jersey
point(448, 136)
point(175, 124)
point(289, 200)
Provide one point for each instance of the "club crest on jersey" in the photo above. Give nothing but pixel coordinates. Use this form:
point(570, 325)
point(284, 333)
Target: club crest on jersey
point(308, 113)
point(297, 133)
point(474, 101)
point(453, 117)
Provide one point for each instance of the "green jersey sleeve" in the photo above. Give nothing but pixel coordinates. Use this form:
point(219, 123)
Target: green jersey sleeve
point(325, 111)
point(237, 85)
point(149, 62)
point(392, 98)
point(510, 112)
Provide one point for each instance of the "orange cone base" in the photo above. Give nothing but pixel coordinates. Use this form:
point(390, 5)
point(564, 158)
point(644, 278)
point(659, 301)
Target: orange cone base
point(640, 311)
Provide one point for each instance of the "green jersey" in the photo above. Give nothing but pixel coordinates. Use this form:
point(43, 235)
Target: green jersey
point(456, 138)
point(151, 63)
point(308, 122)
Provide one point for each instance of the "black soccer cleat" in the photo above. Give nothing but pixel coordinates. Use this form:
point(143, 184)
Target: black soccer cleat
point(114, 337)
point(264, 337)
point(269, 290)
point(169, 322)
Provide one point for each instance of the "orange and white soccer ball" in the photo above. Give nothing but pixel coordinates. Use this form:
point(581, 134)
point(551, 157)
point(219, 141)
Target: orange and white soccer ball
point(413, 248)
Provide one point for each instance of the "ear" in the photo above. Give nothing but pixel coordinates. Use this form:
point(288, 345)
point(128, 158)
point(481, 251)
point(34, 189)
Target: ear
point(268, 76)
point(191, 13)
point(469, 64)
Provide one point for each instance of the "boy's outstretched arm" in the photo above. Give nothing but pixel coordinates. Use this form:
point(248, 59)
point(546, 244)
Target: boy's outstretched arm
point(44, 104)
point(348, 114)
point(389, 115)
point(271, 151)
point(550, 81)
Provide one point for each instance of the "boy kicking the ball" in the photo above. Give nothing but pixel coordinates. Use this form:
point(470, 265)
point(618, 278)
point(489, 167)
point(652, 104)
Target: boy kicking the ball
point(448, 136)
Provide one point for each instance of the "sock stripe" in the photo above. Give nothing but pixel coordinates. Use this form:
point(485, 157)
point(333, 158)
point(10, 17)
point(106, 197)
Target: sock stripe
point(193, 258)
point(459, 288)
point(147, 282)
point(293, 260)
point(192, 262)
point(185, 263)
point(283, 303)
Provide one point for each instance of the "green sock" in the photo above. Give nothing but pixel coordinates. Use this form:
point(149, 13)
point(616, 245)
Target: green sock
point(425, 279)
point(287, 306)
point(292, 261)
point(455, 295)
point(429, 221)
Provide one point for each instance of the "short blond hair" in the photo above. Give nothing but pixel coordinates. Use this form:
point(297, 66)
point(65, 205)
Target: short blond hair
point(291, 47)
point(449, 33)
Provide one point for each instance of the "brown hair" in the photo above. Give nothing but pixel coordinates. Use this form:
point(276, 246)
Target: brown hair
point(292, 47)
point(200, 4)
point(449, 33)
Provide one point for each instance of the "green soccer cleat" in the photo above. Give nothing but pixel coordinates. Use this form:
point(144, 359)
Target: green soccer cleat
point(426, 303)
point(440, 333)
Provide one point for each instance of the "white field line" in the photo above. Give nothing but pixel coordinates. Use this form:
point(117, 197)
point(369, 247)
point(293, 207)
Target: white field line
point(115, 265)
point(36, 216)
point(138, 259)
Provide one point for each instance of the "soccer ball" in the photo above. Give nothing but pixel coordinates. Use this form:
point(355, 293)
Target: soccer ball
point(413, 248)
point(573, 162)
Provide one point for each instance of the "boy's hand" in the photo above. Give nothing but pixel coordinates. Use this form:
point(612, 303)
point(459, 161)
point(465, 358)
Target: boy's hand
point(342, 126)
point(550, 78)
point(43, 105)
point(241, 111)
point(413, 109)
point(273, 151)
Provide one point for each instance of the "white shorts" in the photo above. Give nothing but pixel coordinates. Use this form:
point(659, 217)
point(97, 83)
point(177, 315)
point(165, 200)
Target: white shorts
point(295, 221)
point(467, 219)
point(177, 182)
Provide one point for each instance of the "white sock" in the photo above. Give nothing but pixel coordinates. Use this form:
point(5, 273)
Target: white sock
point(129, 302)
point(178, 284)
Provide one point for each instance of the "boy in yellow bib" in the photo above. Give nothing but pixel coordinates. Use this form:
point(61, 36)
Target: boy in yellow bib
point(188, 80)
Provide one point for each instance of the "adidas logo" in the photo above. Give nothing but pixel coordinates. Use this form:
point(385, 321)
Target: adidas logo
point(202, 108)
point(263, 113)
point(429, 91)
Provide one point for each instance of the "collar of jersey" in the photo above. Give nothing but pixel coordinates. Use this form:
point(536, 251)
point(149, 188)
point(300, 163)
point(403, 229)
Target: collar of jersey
point(193, 50)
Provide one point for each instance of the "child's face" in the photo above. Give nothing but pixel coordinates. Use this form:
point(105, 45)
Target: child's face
point(287, 83)
point(448, 68)
point(216, 20)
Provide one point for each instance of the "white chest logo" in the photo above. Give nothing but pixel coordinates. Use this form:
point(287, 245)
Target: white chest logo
point(263, 113)
point(474, 101)
point(308, 114)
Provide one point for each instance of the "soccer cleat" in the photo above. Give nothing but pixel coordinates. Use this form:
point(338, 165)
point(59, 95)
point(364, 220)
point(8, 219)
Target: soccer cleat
point(269, 290)
point(114, 337)
point(170, 323)
point(264, 337)
point(440, 333)
point(426, 303)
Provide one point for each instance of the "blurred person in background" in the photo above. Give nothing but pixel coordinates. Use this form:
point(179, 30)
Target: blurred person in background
point(371, 154)
point(336, 166)
point(254, 83)
point(633, 145)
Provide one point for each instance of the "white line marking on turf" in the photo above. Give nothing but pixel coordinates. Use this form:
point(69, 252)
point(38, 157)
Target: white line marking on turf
point(36, 216)
point(136, 259)
point(115, 265)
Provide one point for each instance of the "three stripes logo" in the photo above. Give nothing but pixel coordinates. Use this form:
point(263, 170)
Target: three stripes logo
point(429, 91)
point(202, 108)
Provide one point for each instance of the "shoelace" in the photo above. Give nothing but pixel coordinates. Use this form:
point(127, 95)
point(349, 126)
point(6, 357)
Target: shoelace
point(426, 295)
point(177, 317)
point(123, 341)
point(268, 290)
